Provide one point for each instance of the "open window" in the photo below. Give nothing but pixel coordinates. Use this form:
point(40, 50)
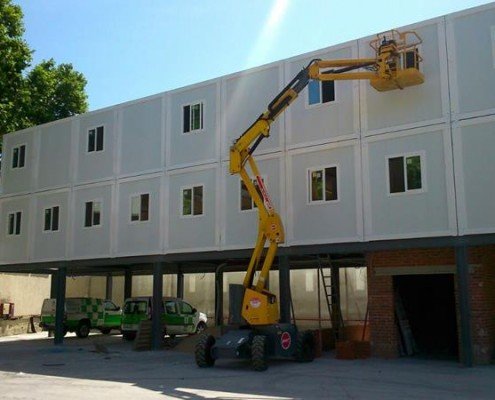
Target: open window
point(192, 117)
point(405, 173)
point(322, 184)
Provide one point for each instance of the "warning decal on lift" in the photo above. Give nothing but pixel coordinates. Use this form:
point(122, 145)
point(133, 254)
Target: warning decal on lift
point(285, 340)
point(255, 302)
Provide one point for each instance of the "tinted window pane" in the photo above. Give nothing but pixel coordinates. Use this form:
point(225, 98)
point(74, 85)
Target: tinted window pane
point(15, 157)
point(22, 156)
point(91, 140)
point(186, 118)
point(413, 165)
point(11, 223)
point(410, 60)
point(48, 219)
point(396, 174)
point(96, 213)
point(198, 200)
point(331, 183)
point(186, 202)
point(135, 208)
point(196, 116)
point(88, 214)
point(316, 185)
point(314, 92)
point(18, 223)
point(145, 200)
point(55, 219)
point(99, 138)
point(327, 91)
point(185, 308)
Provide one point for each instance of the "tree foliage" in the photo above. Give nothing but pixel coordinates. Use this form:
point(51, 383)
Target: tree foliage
point(45, 93)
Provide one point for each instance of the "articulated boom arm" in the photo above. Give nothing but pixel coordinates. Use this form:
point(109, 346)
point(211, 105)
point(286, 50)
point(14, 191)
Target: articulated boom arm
point(395, 66)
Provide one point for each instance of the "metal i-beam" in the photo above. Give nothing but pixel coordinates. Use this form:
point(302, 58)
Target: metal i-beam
point(461, 259)
point(60, 308)
point(157, 330)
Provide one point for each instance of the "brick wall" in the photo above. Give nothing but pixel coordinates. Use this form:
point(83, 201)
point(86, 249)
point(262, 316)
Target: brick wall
point(384, 336)
point(482, 289)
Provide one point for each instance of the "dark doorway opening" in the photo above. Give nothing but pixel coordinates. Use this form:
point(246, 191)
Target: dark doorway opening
point(429, 306)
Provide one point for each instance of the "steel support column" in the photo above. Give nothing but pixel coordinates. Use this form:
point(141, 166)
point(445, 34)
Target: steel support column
point(60, 308)
point(219, 297)
point(157, 330)
point(284, 285)
point(127, 284)
point(180, 284)
point(109, 287)
point(466, 350)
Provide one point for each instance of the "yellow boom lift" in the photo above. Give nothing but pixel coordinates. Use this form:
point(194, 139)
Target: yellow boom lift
point(396, 65)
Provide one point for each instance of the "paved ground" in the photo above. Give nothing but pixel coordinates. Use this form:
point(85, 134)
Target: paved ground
point(31, 367)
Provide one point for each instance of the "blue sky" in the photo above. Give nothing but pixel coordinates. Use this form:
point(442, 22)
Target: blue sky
point(129, 49)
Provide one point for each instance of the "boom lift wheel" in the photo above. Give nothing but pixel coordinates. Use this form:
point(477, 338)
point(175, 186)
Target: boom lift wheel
point(258, 353)
point(203, 351)
point(305, 347)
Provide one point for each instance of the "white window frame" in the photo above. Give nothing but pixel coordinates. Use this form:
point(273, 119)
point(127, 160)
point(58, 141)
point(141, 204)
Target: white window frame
point(92, 214)
point(51, 219)
point(14, 234)
point(95, 128)
point(422, 160)
point(18, 146)
point(202, 104)
point(181, 201)
point(138, 195)
point(320, 104)
point(308, 184)
point(253, 205)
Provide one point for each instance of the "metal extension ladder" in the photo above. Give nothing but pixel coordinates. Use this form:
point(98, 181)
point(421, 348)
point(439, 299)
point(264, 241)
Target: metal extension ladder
point(329, 276)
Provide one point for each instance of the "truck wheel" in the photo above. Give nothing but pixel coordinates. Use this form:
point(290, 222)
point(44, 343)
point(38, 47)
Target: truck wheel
point(200, 328)
point(202, 352)
point(129, 336)
point(83, 329)
point(105, 331)
point(258, 353)
point(305, 347)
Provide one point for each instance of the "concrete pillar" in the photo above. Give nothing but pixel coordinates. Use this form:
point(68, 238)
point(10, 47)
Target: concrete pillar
point(109, 287)
point(157, 330)
point(60, 309)
point(461, 259)
point(127, 284)
point(284, 285)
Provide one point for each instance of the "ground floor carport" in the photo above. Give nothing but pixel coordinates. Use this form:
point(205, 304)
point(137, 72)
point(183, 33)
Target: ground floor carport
point(380, 257)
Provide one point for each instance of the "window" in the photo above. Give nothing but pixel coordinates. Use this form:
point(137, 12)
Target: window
point(320, 92)
point(14, 223)
point(171, 307)
point(186, 308)
point(95, 139)
point(18, 156)
point(192, 201)
point(51, 219)
point(405, 173)
point(322, 184)
point(110, 306)
point(92, 215)
point(192, 117)
point(247, 203)
point(140, 207)
point(411, 59)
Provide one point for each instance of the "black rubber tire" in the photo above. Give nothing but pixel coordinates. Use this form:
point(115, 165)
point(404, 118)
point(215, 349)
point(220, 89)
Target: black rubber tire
point(83, 329)
point(259, 353)
point(106, 331)
point(305, 347)
point(202, 352)
point(200, 328)
point(129, 336)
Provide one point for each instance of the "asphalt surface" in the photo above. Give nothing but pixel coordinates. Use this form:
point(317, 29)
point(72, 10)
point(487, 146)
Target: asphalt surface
point(98, 367)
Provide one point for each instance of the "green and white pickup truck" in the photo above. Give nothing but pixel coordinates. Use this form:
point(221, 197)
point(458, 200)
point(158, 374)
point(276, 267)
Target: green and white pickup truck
point(82, 314)
point(178, 318)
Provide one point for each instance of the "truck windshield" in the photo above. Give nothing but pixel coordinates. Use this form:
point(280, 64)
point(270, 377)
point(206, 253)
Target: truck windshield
point(135, 307)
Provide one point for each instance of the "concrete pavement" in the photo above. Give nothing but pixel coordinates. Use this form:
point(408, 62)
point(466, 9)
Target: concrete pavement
point(31, 367)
